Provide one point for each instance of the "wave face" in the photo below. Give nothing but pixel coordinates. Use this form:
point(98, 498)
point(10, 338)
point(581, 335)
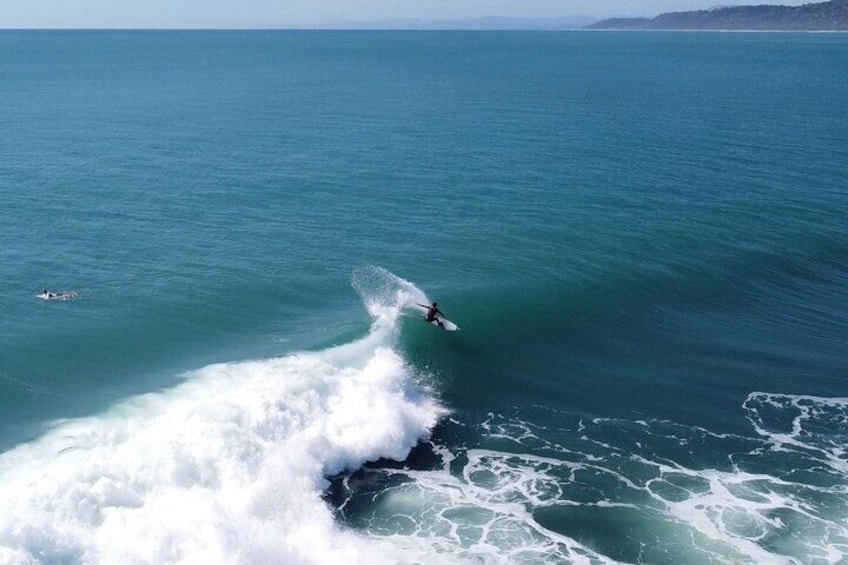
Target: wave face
point(228, 467)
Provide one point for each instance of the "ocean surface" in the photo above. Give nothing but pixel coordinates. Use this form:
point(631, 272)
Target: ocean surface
point(642, 236)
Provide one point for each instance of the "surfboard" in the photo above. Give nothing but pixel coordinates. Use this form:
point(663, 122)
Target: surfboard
point(444, 324)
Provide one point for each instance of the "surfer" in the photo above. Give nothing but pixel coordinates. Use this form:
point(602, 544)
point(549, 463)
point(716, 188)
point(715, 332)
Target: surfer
point(432, 313)
point(49, 295)
point(437, 318)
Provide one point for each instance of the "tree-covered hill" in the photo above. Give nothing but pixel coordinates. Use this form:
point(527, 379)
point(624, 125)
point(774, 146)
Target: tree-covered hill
point(823, 16)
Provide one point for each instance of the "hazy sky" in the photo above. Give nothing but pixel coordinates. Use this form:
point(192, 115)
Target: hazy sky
point(305, 13)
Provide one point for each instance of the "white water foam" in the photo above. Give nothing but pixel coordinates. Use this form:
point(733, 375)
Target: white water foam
point(228, 467)
point(385, 294)
point(612, 490)
point(810, 424)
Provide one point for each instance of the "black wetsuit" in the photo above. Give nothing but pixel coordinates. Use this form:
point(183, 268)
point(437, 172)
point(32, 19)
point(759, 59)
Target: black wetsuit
point(432, 313)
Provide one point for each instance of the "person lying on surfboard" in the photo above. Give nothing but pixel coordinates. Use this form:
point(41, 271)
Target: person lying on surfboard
point(50, 295)
point(432, 312)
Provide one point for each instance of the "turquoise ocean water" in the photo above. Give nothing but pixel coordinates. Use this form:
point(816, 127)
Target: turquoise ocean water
point(643, 238)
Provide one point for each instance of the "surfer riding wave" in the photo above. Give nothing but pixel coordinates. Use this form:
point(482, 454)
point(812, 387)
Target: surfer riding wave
point(386, 295)
point(433, 313)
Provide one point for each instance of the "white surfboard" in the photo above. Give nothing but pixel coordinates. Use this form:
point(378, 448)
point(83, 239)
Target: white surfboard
point(444, 323)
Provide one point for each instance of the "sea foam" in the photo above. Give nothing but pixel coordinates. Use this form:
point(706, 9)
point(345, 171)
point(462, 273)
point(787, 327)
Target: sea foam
point(227, 467)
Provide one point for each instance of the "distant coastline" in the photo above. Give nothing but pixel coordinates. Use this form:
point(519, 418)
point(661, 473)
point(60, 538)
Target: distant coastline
point(822, 16)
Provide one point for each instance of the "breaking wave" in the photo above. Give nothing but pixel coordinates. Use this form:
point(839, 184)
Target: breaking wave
point(230, 465)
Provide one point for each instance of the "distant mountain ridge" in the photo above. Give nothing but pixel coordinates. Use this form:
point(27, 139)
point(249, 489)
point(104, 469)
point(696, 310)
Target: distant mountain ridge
point(823, 16)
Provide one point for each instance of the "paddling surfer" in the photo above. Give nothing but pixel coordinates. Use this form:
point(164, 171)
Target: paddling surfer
point(50, 295)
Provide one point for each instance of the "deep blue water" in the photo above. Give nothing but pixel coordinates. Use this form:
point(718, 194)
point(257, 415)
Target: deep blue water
point(642, 236)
